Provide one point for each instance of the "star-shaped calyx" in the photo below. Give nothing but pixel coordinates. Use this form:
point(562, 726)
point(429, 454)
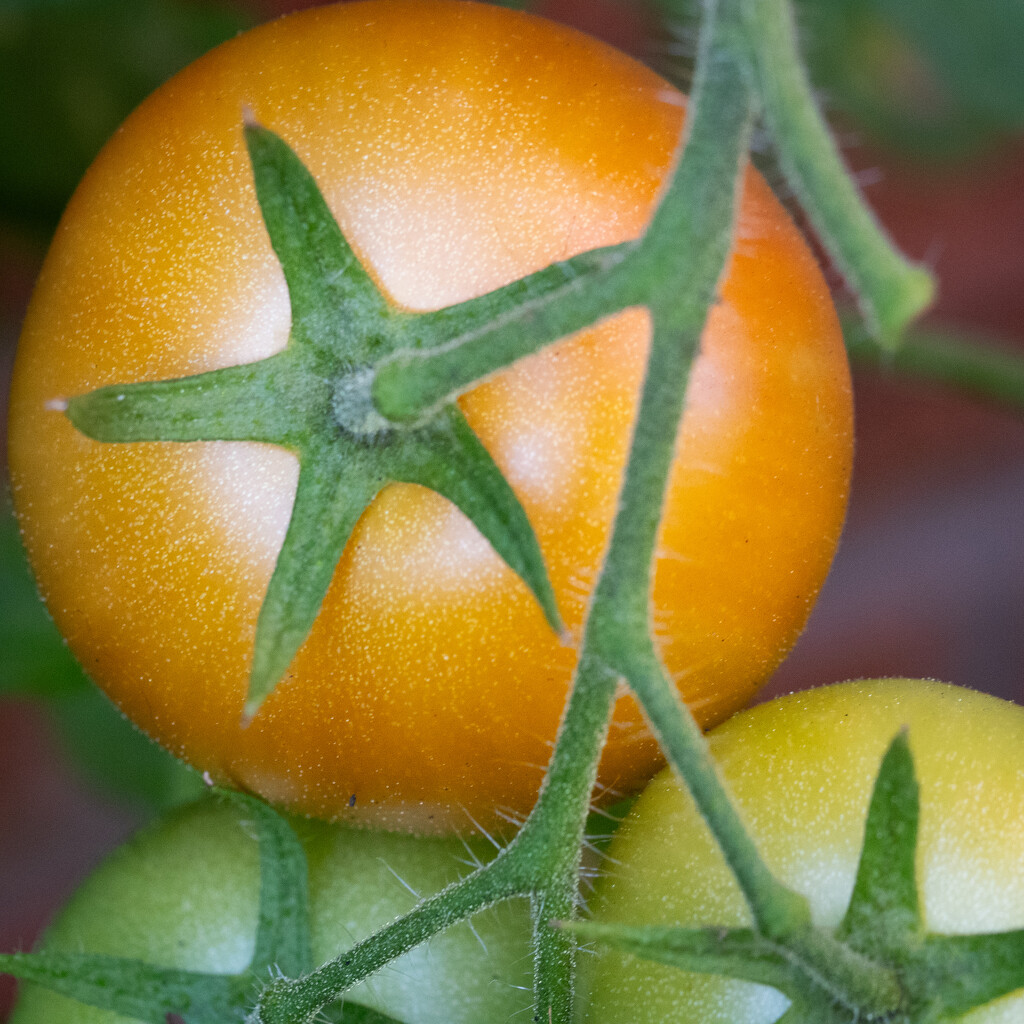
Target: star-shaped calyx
point(315, 399)
point(938, 978)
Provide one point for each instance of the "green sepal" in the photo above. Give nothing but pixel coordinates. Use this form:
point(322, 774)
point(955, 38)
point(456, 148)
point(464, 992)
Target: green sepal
point(333, 299)
point(131, 988)
point(738, 953)
point(730, 952)
point(884, 915)
point(251, 402)
point(448, 457)
point(335, 486)
point(957, 973)
point(282, 932)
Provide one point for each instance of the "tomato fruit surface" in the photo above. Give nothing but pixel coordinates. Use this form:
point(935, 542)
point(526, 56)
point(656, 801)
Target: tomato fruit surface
point(185, 894)
point(460, 147)
point(801, 770)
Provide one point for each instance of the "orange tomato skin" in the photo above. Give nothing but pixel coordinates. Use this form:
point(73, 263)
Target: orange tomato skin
point(460, 147)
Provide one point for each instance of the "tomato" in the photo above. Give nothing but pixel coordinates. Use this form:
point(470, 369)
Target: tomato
point(460, 147)
point(801, 769)
point(185, 894)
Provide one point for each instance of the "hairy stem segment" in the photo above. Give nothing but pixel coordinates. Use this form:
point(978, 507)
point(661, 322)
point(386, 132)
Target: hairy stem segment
point(300, 1001)
point(778, 912)
point(619, 623)
point(891, 291)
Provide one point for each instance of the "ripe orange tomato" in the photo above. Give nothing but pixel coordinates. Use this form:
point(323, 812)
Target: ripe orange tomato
point(460, 147)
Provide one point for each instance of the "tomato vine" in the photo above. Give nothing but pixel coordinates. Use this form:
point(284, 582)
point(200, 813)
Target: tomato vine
point(401, 400)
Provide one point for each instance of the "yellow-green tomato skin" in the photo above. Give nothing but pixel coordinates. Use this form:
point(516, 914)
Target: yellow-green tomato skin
point(185, 894)
point(801, 770)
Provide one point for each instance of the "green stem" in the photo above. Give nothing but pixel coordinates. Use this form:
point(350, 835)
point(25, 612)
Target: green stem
point(299, 1001)
point(971, 367)
point(891, 290)
point(692, 233)
point(779, 913)
point(554, 955)
point(555, 302)
point(548, 848)
point(619, 623)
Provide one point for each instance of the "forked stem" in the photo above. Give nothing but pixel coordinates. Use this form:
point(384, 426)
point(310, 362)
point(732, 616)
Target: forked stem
point(682, 258)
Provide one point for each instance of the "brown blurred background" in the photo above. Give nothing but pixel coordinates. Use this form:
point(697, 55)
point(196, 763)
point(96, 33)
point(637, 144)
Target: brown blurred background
point(929, 580)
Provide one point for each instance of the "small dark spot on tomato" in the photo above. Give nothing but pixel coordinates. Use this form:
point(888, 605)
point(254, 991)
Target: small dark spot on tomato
point(352, 800)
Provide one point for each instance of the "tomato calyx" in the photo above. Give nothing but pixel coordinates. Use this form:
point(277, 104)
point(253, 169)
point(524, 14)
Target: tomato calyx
point(354, 409)
point(133, 988)
point(315, 398)
point(881, 964)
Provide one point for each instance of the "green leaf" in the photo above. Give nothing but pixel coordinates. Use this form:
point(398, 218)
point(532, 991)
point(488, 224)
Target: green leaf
point(132, 988)
point(933, 78)
point(336, 307)
point(335, 486)
point(282, 935)
point(448, 457)
point(883, 915)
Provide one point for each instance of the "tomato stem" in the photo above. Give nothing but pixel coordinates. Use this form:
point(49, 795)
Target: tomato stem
point(299, 1001)
point(891, 291)
point(461, 345)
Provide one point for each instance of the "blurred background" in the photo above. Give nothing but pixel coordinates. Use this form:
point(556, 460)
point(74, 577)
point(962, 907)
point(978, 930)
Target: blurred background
point(927, 97)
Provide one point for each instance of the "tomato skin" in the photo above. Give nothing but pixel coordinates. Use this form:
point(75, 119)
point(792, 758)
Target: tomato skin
point(460, 147)
point(184, 893)
point(801, 769)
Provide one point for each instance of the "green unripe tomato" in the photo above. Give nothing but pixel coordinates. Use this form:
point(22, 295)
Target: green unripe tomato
point(801, 770)
point(184, 893)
